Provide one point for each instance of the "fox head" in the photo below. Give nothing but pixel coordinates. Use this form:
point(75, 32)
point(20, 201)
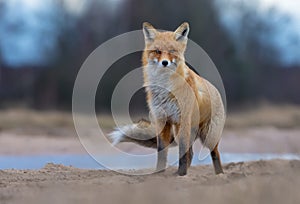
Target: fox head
point(165, 49)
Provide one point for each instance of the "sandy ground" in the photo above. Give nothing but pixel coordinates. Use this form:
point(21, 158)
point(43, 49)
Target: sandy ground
point(275, 181)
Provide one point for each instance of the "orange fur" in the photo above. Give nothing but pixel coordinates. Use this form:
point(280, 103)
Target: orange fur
point(179, 101)
point(190, 91)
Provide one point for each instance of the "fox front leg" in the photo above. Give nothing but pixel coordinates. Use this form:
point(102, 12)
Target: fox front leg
point(184, 154)
point(163, 142)
point(185, 150)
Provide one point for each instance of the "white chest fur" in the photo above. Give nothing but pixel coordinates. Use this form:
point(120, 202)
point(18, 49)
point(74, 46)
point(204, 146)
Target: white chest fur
point(161, 105)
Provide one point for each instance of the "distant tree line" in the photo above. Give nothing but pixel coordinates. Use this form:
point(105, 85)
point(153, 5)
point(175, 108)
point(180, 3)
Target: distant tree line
point(249, 65)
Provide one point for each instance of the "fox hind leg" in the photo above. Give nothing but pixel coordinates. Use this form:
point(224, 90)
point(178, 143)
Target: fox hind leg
point(215, 155)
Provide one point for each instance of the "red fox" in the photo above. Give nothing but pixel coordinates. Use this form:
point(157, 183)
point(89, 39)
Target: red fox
point(180, 102)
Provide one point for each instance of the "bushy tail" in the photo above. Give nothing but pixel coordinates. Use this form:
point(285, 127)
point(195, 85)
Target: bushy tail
point(141, 133)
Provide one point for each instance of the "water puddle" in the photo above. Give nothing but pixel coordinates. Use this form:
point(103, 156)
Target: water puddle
point(87, 162)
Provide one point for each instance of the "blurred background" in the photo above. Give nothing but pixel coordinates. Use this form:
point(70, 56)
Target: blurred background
point(254, 44)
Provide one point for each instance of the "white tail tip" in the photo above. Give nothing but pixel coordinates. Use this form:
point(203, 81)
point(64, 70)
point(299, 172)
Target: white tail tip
point(116, 136)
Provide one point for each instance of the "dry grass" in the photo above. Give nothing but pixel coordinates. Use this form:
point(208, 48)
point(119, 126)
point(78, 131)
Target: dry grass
point(287, 116)
point(31, 122)
point(43, 122)
point(24, 118)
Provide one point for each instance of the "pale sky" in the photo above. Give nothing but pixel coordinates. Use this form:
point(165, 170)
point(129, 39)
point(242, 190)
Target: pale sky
point(289, 6)
point(286, 33)
point(74, 6)
point(24, 44)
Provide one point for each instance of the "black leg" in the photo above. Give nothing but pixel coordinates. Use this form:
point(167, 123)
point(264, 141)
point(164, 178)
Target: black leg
point(216, 160)
point(184, 155)
point(191, 154)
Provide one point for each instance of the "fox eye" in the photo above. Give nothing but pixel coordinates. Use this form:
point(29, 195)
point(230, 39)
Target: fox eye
point(157, 51)
point(172, 51)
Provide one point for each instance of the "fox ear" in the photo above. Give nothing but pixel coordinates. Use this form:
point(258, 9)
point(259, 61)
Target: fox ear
point(149, 31)
point(182, 31)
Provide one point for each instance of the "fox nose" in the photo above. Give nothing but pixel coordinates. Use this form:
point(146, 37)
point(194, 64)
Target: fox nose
point(165, 63)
